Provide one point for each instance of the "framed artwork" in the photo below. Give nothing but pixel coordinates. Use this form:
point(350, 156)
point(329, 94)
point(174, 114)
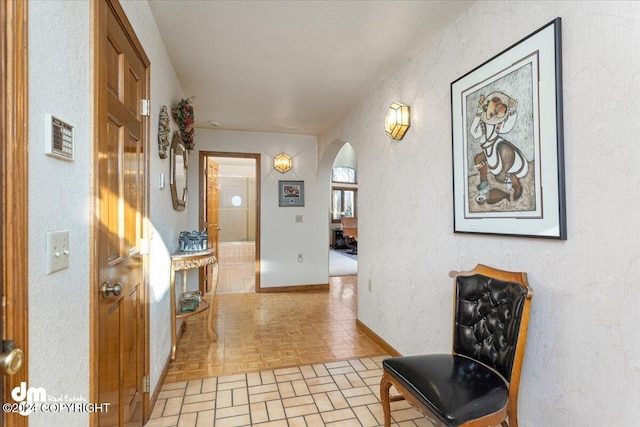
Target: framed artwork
point(291, 193)
point(507, 132)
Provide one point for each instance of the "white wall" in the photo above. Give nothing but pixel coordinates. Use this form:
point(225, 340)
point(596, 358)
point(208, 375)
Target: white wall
point(346, 157)
point(59, 199)
point(281, 238)
point(582, 363)
point(59, 84)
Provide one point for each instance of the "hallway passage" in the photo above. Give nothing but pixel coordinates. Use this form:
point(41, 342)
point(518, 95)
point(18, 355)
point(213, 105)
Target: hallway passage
point(282, 360)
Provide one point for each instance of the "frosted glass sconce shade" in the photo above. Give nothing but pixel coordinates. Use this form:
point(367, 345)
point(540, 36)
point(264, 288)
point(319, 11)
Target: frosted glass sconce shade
point(282, 163)
point(396, 121)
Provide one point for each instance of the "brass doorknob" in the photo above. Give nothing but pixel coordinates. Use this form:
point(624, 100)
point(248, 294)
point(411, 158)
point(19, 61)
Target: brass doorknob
point(107, 289)
point(11, 361)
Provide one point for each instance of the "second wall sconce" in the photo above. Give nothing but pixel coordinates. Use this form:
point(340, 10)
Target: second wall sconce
point(282, 163)
point(396, 121)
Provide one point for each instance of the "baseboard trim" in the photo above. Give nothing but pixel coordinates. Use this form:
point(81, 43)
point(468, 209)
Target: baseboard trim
point(163, 375)
point(158, 389)
point(376, 338)
point(300, 288)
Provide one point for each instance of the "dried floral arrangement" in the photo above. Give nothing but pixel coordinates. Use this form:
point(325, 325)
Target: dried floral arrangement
point(183, 115)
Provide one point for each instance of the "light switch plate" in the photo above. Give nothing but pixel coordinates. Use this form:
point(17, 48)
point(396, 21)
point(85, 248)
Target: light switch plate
point(57, 250)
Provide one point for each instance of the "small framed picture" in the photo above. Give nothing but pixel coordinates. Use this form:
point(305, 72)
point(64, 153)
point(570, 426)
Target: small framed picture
point(291, 193)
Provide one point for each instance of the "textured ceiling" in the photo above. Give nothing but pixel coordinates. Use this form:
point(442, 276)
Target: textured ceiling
point(290, 66)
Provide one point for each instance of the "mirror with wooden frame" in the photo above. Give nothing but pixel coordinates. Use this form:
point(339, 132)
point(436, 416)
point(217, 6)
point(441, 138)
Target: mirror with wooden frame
point(178, 173)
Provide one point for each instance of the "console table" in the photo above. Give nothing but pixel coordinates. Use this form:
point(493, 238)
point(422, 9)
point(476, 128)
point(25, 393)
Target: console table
point(183, 261)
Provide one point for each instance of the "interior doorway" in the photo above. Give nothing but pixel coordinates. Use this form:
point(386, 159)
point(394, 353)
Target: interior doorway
point(343, 247)
point(119, 305)
point(238, 216)
point(14, 251)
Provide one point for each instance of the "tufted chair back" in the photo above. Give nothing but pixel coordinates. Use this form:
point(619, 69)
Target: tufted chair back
point(488, 313)
point(477, 384)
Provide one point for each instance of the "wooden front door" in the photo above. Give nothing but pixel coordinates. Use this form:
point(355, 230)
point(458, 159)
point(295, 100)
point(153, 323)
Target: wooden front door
point(14, 251)
point(211, 222)
point(121, 205)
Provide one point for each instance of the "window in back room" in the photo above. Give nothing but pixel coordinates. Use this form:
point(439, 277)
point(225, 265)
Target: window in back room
point(343, 193)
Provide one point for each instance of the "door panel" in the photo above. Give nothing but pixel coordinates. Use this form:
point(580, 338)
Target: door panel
point(132, 194)
point(132, 399)
point(113, 58)
point(109, 198)
point(211, 219)
point(213, 214)
point(109, 372)
point(121, 347)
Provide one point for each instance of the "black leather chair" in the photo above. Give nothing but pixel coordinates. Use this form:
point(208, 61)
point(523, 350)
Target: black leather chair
point(476, 385)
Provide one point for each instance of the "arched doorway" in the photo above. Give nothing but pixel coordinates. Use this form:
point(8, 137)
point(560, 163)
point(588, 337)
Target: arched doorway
point(339, 166)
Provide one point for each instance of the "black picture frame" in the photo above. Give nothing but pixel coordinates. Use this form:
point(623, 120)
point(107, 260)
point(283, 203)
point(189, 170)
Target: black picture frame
point(291, 193)
point(508, 141)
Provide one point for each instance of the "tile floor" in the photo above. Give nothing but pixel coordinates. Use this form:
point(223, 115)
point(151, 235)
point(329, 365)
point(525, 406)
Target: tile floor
point(236, 267)
point(344, 394)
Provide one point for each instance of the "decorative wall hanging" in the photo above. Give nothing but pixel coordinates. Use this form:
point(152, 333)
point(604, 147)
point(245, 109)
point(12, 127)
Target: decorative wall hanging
point(184, 117)
point(291, 193)
point(508, 141)
point(163, 132)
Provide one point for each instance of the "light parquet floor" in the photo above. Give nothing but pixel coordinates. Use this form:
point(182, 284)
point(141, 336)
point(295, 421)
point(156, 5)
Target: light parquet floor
point(274, 330)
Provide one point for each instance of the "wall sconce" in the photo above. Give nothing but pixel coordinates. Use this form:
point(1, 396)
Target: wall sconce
point(396, 121)
point(282, 163)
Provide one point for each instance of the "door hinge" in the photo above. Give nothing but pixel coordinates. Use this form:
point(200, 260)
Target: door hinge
point(145, 107)
point(146, 384)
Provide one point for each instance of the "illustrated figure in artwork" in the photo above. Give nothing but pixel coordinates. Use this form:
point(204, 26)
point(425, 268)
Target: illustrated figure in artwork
point(163, 132)
point(496, 117)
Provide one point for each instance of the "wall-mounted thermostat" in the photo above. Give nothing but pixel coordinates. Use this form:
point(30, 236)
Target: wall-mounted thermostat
point(58, 137)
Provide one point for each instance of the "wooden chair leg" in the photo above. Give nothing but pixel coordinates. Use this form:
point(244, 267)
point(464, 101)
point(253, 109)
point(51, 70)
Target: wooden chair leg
point(385, 385)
